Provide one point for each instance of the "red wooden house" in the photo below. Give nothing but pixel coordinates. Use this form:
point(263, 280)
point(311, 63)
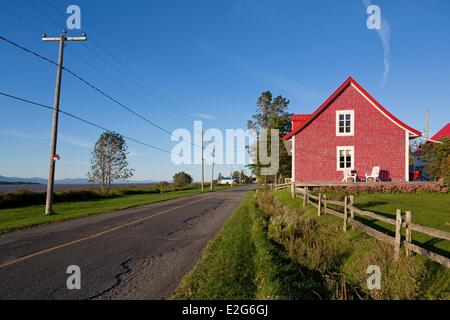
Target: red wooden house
point(349, 131)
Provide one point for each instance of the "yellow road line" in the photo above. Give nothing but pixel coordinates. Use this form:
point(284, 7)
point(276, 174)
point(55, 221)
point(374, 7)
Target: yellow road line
point(38, 253)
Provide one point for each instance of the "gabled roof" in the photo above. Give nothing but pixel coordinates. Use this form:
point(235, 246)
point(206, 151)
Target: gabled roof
point(298, 120)
point(444, 132)
point(351, 82)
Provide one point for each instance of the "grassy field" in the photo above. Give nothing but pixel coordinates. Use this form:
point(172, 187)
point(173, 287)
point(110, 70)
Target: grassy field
point(430, 209)
point(24, 217)
point(241, 263)
point(410, 278)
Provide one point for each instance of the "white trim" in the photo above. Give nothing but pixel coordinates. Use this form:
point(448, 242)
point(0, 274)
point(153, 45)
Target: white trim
point(341, 148)
point(407, 156)
point(293, 159)
point(373, 104)
point(352, 123)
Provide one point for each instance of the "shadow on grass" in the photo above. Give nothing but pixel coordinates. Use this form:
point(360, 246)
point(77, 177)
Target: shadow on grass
point(297, 282)
point(428, 244)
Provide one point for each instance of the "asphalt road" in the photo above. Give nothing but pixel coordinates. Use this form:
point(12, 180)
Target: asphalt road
point(139, 253)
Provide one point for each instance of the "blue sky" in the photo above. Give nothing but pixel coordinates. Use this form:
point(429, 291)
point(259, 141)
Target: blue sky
point(212, 59)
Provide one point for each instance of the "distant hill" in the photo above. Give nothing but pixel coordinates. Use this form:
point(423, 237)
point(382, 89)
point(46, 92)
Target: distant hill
point(16, 180)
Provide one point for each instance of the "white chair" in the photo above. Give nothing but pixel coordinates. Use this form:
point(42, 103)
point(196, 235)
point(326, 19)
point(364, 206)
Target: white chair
point(349, 175)
point(375, 175)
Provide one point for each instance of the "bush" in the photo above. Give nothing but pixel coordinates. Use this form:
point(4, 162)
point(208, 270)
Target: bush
point(401, 188)
point(437, 158)
point(342, 258)
point(25, 198)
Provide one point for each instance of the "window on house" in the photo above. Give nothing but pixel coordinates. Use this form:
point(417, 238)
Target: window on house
point(345, 122)
point(345, 158)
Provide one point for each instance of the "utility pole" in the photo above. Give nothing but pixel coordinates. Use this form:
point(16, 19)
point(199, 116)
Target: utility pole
point(203, 167)
point(427, 125)
point(54, 135)
point(212, 168)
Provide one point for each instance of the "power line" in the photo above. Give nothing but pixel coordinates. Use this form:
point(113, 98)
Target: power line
point(43, 13)
point(20, 17)
point(54, 8)
point(79, 57)
point(79, 119)
point(121, 72)
point(84, 61)
point(88, 84)
point(155, 93)
point(116, 101)
point(28, 50)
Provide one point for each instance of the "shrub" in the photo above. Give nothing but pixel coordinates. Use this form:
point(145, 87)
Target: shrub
point(401, 188)
point(342, 258)
point(25, 198)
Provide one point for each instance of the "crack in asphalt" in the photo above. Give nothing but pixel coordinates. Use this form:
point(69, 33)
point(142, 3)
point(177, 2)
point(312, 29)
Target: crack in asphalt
point(118, 278)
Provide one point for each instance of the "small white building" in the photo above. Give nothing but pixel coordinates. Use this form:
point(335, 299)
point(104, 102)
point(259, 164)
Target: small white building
point(226, 181)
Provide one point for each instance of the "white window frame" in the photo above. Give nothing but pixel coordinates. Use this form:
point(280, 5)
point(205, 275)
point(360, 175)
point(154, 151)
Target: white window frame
point(352, 123)
point(345, 148)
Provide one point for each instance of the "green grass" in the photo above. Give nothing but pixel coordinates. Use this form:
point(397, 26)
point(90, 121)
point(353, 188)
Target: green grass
point(281, 255)
point(25, 217)
point(429, 209)
point(410, 278)
point(241, 263)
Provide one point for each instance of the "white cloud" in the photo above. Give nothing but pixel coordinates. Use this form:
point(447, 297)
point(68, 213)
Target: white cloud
point(133, 154)
point(75, 141)
point(279, 80)
point(16, 133)
point(385, 36)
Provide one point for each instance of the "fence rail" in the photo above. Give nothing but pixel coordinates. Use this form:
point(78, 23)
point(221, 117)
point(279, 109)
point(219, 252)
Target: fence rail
point(279, 186)
point(350, 211)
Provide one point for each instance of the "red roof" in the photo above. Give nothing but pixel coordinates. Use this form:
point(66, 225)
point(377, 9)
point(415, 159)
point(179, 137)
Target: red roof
point(299, 119)
point(350, 81)
point(444, 132)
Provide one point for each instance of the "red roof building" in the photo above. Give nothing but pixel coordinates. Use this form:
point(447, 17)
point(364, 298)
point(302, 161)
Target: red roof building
point(349, 131)
point(444, 132)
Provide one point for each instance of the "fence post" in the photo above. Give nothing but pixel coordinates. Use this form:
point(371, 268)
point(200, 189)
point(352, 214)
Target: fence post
point(305, 192)
point(345, 214)
point(325, 203)
point(398, 236)
point(293, 190)
point(351, 201)
point(319, 204)
point(408, 233)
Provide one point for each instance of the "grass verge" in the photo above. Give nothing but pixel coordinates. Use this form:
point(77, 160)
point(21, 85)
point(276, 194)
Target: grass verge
point(271, 248)
point(430, 209)
point(242, 263)
point(25, 217)
point(343, 258)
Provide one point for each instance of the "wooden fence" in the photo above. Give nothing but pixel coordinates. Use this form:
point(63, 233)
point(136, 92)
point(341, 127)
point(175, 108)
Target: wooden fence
point(349, 213)
point(279, 186)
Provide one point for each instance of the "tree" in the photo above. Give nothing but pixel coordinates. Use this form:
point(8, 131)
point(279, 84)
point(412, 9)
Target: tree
point(163, 186)
point(236, 176)
point(272, 113)
point(109, 160)
point(437, 158)
point(181, 179)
